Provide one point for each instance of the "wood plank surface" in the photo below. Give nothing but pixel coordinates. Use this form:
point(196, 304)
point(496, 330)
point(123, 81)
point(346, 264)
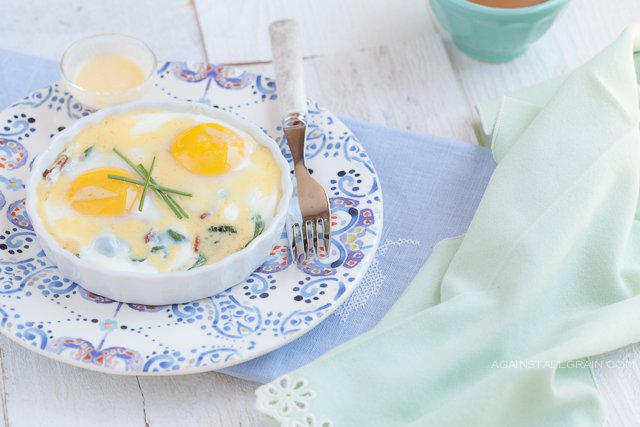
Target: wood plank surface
point(38, 392)
point(46, 27)
point(209, 399)
point(617, 375)
point(408, 84)
point(237, 31)
point(365, 59)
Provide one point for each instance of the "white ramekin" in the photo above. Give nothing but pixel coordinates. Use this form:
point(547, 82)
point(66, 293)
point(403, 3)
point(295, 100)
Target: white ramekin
point(169, 287)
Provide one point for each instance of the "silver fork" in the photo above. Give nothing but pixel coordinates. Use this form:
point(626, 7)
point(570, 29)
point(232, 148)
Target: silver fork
point(312, 235)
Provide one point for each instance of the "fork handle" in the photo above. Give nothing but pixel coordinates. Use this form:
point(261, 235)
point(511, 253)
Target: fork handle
point(286, 48)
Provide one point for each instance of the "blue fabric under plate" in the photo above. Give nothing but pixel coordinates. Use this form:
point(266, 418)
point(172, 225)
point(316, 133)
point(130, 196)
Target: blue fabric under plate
point(431, 188)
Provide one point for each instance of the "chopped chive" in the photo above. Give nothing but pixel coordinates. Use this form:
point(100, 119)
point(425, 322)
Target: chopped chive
point(126, 160)
point(151, 185)
point(170, 199)
point(172, 205)
point(182, 211)
point(86, 153)
point(157, 189)
point(199, 262)
point(223, 229)
point(258, 225)
point(146, 184)
point(258, 228)
point(175, 235)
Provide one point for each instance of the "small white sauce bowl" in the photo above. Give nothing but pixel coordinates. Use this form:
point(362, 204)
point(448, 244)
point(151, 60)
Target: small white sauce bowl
point(81, 51)
point(163, 287)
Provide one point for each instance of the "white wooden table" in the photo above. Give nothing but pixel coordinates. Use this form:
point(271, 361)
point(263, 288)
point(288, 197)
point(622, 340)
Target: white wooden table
point(387, 62)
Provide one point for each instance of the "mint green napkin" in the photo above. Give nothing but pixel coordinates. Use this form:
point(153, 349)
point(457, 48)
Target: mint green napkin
point(496, 328)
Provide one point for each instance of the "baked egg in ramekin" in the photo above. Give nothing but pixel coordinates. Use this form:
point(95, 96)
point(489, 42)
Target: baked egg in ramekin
point(159, 202)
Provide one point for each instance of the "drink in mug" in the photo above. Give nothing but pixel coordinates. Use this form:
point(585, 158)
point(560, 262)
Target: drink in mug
point(509, 4)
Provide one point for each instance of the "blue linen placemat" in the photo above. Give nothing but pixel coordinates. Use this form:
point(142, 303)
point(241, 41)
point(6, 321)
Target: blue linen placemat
point(431, 189)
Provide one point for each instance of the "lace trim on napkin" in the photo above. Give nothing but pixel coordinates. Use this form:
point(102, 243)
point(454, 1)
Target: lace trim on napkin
point(373, 279)
point(287, 402)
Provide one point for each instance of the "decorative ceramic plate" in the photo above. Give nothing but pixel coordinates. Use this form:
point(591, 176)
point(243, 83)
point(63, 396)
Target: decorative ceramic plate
point(48, 313)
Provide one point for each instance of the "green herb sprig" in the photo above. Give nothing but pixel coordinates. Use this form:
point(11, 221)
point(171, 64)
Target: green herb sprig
point(146, 183)
point(152, 186)
point(149, 182)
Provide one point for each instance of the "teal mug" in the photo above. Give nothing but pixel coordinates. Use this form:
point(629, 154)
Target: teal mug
point(495, 34)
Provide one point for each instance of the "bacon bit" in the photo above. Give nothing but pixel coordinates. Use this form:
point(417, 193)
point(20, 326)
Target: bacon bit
point(148, 236)
point(196, 244)
point(59, 163)
point(204, 215)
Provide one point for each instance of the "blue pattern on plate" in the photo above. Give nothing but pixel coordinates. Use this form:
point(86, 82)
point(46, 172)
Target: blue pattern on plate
point(47, 312)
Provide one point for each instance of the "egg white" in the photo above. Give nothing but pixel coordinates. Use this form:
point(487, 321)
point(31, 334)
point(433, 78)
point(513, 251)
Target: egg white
point(219, 201)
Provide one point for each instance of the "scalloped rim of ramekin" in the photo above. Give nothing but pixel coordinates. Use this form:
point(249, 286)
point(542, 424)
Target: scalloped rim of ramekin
point(59, 141)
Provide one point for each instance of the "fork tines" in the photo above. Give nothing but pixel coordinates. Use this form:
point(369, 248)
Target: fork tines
point(311, 238)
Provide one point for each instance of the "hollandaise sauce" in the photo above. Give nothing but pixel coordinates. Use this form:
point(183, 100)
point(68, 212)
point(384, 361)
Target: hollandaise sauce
point(109, 74)
point(234, 183)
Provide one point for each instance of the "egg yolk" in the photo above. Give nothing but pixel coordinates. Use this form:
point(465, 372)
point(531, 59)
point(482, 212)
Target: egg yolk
point(207, 149)
point(94, 193)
